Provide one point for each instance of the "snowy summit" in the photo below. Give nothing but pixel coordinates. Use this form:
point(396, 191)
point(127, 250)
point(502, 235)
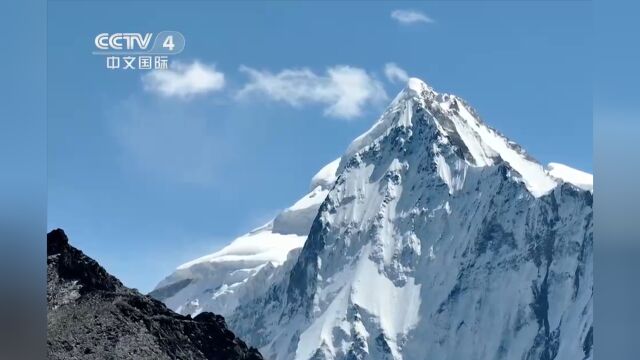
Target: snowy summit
point(433, 236)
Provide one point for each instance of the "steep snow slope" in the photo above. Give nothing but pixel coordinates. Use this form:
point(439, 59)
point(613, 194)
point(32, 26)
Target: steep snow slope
point(573, 176)
point(244, 268)
point(440, 239)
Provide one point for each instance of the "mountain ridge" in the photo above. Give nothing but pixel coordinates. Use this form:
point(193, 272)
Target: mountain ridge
point(218, 282)
point(92, 315)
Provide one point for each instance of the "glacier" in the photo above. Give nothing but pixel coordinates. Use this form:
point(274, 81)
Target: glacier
point(217, 282)
point(432, 237)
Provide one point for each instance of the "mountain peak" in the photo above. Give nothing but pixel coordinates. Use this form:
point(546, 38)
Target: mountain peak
point(417, 85)
point(426, 215)
point(454, 125)
point(433, 213)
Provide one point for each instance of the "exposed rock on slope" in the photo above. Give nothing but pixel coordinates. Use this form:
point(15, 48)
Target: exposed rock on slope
point(92, 315)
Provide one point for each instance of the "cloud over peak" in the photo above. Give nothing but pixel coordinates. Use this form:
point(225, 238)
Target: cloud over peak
point(408, 17)
point(344, 90)
point(395, 73)
point(184, 80)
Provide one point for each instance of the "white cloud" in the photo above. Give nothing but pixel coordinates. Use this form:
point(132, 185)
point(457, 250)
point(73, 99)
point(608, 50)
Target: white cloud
point(395, 73)
point(410, 17)
point(344, 90)
point(184, 80)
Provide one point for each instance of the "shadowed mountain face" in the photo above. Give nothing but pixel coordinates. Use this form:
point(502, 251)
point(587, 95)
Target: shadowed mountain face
point(92, 315)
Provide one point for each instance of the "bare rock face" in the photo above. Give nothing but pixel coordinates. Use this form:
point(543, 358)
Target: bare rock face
point(92, 315)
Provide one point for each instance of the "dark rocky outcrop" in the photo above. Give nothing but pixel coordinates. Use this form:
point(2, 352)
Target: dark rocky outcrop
point(92, 315)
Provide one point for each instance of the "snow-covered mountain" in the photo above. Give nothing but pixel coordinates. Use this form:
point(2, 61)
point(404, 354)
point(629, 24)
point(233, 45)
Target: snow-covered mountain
point(435, 238)
point(249, 264)
point(441, 239)
point(573, 176)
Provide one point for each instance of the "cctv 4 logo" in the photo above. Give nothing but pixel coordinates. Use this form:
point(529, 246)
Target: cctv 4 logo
point(129, 41)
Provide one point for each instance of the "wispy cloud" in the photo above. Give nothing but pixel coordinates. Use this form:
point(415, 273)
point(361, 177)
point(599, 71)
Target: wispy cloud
point(408, 17)
point(184, 80)
point(166, 140)
point(395, 73)
point(344, 90)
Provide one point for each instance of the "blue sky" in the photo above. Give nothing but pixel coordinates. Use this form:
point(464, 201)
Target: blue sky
point(144, 179)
